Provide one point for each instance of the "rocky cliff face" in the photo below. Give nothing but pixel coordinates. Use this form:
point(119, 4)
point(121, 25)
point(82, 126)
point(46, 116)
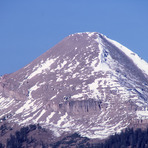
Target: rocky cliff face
point(87, 83)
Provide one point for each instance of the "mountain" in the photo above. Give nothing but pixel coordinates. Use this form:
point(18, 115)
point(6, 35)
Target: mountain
point(87, 83)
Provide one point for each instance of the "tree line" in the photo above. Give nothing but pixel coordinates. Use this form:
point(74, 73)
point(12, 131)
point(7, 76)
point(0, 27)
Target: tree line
point(129, 138)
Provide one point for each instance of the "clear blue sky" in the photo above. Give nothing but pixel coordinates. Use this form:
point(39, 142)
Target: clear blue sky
point(29, 28)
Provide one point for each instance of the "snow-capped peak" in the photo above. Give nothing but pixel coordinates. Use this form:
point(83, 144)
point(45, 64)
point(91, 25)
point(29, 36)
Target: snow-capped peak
point(87, 83)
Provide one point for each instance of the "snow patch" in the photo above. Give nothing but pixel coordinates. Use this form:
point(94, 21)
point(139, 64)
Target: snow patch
point(77, 96)
point(53, 97)
point(59, 79)
point(33, 88)
point(41, 68)
point(90, 34)
point(6, 102)
point(93, 87)
point(142, 114)
point(62, 119)
point(60, 66)
point(49, 117)
point(41, 114)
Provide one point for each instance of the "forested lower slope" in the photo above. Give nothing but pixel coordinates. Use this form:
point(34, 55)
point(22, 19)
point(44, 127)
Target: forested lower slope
point(35, 136)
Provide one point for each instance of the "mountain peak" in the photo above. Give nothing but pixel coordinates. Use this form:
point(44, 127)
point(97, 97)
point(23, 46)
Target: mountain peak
point(85, 33)
point(87, 83)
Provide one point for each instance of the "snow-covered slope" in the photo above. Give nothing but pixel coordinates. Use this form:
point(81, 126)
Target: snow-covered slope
point(133, 56)
point(87, 83)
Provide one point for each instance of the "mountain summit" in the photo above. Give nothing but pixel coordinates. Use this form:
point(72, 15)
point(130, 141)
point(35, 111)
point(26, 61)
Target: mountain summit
point(87, 84)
